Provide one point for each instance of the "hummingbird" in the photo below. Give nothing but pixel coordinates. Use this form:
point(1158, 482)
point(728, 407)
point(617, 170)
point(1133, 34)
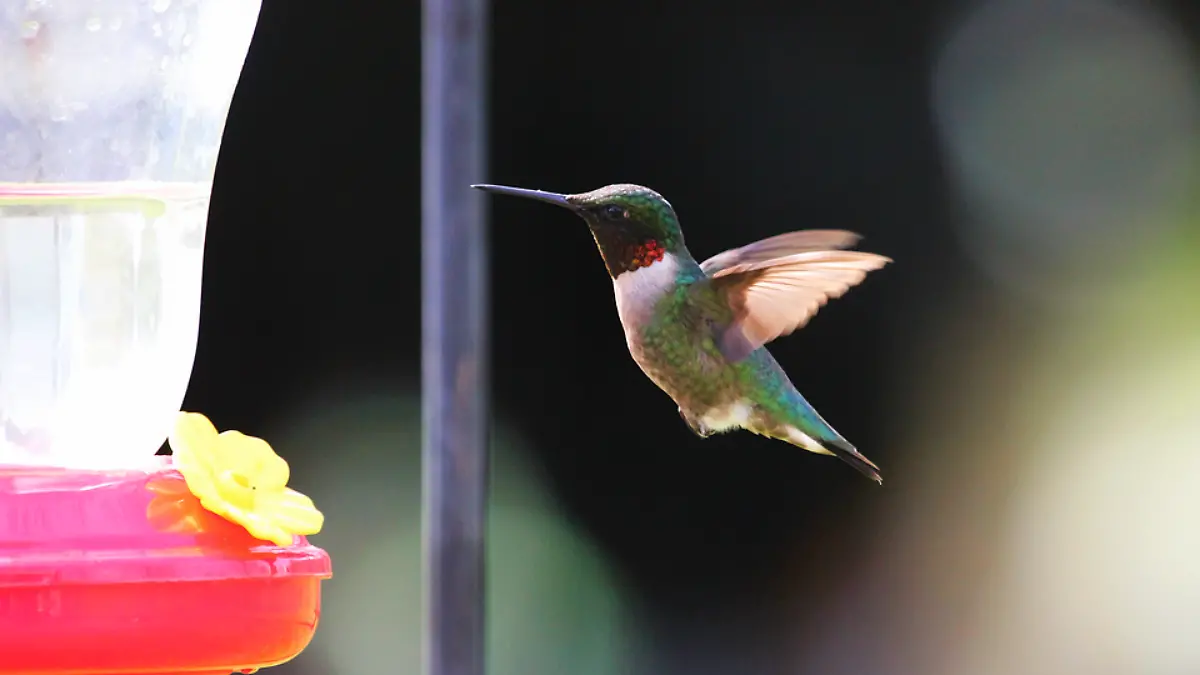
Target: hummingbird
point(698, 330)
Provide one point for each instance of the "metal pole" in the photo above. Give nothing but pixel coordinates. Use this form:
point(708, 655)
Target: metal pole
point(454, 335)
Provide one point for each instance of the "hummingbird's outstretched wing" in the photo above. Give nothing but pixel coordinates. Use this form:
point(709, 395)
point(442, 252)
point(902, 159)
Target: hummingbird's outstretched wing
point(770, 298)
point(779, 246)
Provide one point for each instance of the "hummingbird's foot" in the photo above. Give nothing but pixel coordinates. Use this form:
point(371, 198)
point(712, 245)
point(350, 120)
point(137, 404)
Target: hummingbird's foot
point(696, 426)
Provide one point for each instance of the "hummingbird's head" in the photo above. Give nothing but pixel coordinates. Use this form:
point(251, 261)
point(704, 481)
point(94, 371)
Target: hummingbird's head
point(634, 226)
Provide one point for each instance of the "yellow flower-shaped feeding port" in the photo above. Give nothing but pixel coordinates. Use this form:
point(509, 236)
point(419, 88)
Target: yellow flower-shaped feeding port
point(241, 479)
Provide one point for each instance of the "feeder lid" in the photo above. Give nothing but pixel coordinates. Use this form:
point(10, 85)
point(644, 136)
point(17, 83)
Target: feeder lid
point(70, 526)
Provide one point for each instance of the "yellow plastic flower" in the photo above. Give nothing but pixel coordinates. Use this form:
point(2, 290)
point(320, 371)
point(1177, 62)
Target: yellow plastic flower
point(241, 479)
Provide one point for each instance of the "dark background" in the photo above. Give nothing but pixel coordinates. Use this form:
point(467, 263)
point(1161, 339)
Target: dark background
point(753, 118)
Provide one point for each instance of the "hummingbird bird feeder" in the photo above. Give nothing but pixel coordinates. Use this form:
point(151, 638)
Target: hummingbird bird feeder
point(115, 561)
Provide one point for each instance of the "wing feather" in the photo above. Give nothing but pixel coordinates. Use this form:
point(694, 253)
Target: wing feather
point(780, 246)
point(775, 297)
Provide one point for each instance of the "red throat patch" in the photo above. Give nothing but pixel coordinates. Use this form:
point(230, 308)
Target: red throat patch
point(645, 254)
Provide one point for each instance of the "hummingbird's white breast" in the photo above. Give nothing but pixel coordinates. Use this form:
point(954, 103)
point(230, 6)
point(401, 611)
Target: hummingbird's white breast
point(637, 291)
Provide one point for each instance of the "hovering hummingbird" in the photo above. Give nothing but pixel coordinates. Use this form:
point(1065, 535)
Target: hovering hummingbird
point(698, 330)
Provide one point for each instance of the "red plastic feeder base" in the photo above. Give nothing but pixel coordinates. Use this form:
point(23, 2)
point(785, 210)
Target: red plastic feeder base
point(123, 573)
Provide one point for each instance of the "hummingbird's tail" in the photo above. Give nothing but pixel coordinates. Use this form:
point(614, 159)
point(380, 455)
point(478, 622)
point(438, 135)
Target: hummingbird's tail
point(840, 448)
point(815, 435)
point(783, 413)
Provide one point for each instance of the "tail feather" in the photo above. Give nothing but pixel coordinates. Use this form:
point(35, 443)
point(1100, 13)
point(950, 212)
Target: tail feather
point(838, 447)
point(850, 455)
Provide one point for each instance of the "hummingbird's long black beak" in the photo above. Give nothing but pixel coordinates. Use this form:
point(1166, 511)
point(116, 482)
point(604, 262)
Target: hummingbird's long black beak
point(540, 195)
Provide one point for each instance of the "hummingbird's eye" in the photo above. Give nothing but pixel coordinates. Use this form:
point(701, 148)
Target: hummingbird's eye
point(616, 212)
